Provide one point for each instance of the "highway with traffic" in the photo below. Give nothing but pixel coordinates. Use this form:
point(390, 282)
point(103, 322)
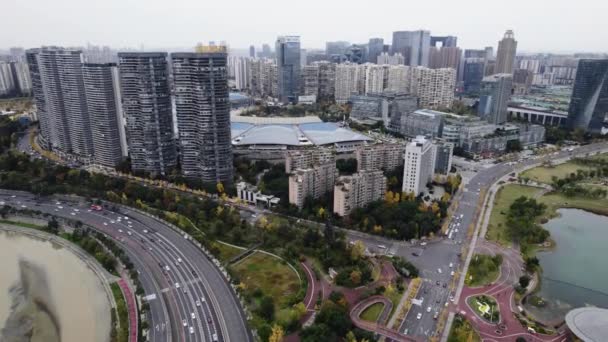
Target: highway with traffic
point(189, 298)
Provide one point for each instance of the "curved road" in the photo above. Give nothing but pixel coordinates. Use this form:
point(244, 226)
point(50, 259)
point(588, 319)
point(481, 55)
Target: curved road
point(188, 296)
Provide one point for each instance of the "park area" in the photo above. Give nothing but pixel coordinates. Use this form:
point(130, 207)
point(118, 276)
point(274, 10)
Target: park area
point(462, 330)
point(544, 174)
point(483, 270)
point(505, 196)
point(270, 275)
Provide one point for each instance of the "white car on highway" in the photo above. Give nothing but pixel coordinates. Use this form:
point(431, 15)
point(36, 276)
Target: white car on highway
point(198, 303)
point(193, 315)
point(419, 316)
point(184, 322)
point(428, 309)
point(191, 330)
point(177, 285)
point(382, 246)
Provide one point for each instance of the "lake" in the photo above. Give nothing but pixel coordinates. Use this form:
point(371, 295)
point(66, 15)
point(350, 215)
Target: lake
point(45, 288)
point(574, 272)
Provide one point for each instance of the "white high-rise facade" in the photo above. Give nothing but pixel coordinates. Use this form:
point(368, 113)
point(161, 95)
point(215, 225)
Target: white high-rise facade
point(419, 165)
point(399, 79)
point(376, 77)
point(434, 87)
point(350, 78)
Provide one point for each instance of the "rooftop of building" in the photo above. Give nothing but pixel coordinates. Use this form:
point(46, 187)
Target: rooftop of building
point(301, 131)
point(589, 324)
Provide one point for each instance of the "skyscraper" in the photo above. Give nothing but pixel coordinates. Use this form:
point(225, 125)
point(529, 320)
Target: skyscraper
point(494, 99)
point(413, 45)
point(65, 113)
point(252, 51)
point(203, 114)
point(146, 101)
point(102, 88)
point(336, 48)
point(375, 48)
point(288, 68)
point(473, 74)
point(446, 41)
point(505, 55)
point(589, 101)
point(31, 57)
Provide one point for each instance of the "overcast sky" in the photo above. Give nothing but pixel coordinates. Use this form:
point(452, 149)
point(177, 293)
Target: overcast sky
point(539, 25)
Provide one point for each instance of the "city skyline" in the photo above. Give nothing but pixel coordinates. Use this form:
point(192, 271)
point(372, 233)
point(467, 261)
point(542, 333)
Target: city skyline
point(113, 24)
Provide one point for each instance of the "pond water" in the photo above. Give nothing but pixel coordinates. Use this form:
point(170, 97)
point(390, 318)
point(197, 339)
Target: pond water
point(574, 272)
point(49, 292)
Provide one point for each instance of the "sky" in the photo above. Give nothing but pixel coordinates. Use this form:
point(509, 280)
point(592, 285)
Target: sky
point(539, 25)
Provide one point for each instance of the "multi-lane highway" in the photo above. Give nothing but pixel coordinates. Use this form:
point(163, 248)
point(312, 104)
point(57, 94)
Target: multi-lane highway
point(189, 298)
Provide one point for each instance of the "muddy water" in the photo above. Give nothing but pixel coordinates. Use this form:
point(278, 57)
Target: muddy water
point(46, 291)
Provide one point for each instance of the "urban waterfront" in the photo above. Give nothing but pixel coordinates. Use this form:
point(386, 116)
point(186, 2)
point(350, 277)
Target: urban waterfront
point(45, 287)
point(574, 272)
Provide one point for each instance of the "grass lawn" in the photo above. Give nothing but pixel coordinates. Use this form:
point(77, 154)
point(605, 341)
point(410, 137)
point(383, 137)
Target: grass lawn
point(270, 275)
point(504, 198)
point(122, 334)
point(543, 174)
point(483, 270)
point(462, 331)
point(23, 224)
point(371, 313)
point(555, 201)
point(226, 252)
point(485, 307)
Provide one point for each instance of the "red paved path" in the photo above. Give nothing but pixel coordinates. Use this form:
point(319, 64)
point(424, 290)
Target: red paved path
point(131, 307)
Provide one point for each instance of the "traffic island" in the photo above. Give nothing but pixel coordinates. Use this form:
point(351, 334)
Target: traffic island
point(485, 307)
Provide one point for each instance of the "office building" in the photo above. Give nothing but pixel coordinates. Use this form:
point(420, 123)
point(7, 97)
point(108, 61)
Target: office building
point(375, 47)
point(394, 59)
point(384, 157)
point(336, 48)
point(444, 57)
point(422, 122)
point(251, 51)
point(102, 89)
point(505, 55)
point(522, 81)
point(67, 125)
point(446, 41)
point(203, 115)
point(288, 68)
point(413, 45)
point(473, 72)
point(443, 159)
point(434, 87)
point(356, 54)
point(146, 102)
point(494, 98)
point(589, 101)
point(419, 165)
point(358, 190)
point(400, 105)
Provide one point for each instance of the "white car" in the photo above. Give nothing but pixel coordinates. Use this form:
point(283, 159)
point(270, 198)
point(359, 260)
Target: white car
point(76, 210)
point(24, 206)
point(198, 303)
point(105, 223)
point(381, 246)
point(428, 309)
point(214, 336)
point(439, 270)
point(120, 230)
point(193, 315)
point(184, 322)
point(58, 203)
point(191, 330)
point(423, 244)
point(419, 316)
point(112, 221)
point(177, 285)
point(167, 268)
point(451, 265)
point(179, 259)
point(145, 231)
point(60, 207)
point(129, 232)
point(203, 299)
point(13, 196)
point(452, 273)
point(126, 218)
